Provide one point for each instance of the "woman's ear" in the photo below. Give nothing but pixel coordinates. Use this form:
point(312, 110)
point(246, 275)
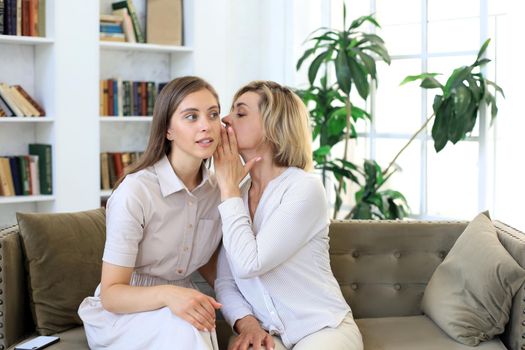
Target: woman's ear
point(169, 136)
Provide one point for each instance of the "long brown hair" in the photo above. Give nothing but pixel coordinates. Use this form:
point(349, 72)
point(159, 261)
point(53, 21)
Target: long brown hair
point(165, 105)
point(285, 121)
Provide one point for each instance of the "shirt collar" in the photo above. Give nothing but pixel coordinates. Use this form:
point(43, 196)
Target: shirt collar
point(170, 182)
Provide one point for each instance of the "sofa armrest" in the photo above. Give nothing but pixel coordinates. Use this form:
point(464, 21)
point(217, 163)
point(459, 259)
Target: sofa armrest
point(15, 317)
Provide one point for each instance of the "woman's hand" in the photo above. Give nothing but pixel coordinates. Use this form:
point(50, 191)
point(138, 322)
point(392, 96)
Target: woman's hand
point(193, 306)
point(251, 335)
point(228, 166)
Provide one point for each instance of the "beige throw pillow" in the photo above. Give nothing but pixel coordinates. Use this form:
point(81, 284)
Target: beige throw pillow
point(63, 257)
point(470, 294)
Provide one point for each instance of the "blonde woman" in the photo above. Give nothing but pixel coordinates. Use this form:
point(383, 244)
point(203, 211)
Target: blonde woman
point(274, 277)
point(162, 224)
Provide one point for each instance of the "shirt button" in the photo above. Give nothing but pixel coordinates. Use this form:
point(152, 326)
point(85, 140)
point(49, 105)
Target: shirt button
point(190, 226)
point(180, 271)
point(190, 203)
point(185, 249)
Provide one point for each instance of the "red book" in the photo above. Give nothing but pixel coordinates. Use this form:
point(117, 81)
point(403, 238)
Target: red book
point(144, 98)
point(117, 159)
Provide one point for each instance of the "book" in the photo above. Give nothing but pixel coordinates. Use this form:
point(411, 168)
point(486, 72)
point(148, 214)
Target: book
point(34, 174)
point(5, 93)
point(164, 22)
point(41, 21)
point(14, 164)
point(43, 151)
point(18, 18)
point(23, 104)
point(104, 172)
point(6, 178)
point(117, 37)
point(37, 108)
point(2, 7)
point(110, 18)
point(33, 17)
point(5, 107)
point(127, 24)
point(128, 4)
point(25, 17)
point(24, 174)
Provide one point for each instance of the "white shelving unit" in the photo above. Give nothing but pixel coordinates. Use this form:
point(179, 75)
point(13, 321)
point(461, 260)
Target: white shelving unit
point(21, 59)
point(139, 62)
point(62, 71)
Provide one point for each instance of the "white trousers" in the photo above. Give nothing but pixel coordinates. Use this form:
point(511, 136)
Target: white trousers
point(346, 336)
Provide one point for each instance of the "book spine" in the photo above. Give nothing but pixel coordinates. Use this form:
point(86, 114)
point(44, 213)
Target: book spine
point(14, 164)
point(104, 172)
point(115, 97)
point(33, 169)
point(25, 17)
point(24, 176)
point(10, 100)
point(35, 106)
point(151, 97)
point(2, 12)
point(18, 17)
point(41, 22)
point(5, 107)
point(9, 187)
point(144, 98)
point(43, 152)
point(110, 97)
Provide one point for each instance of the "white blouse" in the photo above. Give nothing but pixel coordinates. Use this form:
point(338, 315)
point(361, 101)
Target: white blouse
point(158, 227)
point(278, 267)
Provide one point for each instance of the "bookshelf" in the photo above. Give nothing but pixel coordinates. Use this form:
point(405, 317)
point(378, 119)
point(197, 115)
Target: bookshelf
point(62, 71)
point(45, 67)
point(138, 62)
point(20, 61)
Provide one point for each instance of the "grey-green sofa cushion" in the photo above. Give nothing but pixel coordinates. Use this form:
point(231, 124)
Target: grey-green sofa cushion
point(470, 294)
point(63, 257)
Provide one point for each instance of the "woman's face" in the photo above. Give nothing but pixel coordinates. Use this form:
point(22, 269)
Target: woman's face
point(245, 119)
point(195, 125)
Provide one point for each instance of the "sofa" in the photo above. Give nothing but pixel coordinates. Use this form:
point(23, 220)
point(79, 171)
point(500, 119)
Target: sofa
point(383, 268)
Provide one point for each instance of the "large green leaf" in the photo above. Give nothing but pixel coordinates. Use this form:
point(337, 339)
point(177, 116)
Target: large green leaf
point(430, 83)
point(369, 63)
point(457, 77)
point(483, 49)
point(359, 21)
point(380, 50)
point(316, 63)
point(422, 76)
point(342, 72)
point(359, 78)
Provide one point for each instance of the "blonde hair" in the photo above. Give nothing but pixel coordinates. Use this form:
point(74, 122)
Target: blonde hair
point(285, 121)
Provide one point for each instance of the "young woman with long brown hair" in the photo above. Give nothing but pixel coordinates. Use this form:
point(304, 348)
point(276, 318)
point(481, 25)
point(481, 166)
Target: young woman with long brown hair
point(162, 224)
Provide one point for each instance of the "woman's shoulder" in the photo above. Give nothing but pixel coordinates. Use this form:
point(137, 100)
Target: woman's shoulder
point(304, 182)
point(138, 183)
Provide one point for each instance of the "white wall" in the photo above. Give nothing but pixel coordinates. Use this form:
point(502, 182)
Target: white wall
point(510, 141)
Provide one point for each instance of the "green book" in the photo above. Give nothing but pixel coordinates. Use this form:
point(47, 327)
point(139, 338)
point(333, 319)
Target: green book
point(43, 152)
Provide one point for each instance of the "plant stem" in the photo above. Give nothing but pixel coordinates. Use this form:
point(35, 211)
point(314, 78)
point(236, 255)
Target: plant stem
point(408, 143)
point(348, 105)
point(349, 215)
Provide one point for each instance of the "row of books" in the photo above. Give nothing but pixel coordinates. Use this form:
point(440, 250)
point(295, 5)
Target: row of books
point(27, 174)
point(123, 25)
point(16, 102)
point(113, 165)
point(22, 17)
point(128, 98)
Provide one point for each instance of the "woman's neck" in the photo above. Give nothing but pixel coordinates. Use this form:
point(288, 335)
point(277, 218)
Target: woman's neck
point(264, 170)
point(187, 169)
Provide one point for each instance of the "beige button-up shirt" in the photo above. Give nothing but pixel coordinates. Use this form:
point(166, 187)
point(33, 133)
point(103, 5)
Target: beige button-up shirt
point(157, 226)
